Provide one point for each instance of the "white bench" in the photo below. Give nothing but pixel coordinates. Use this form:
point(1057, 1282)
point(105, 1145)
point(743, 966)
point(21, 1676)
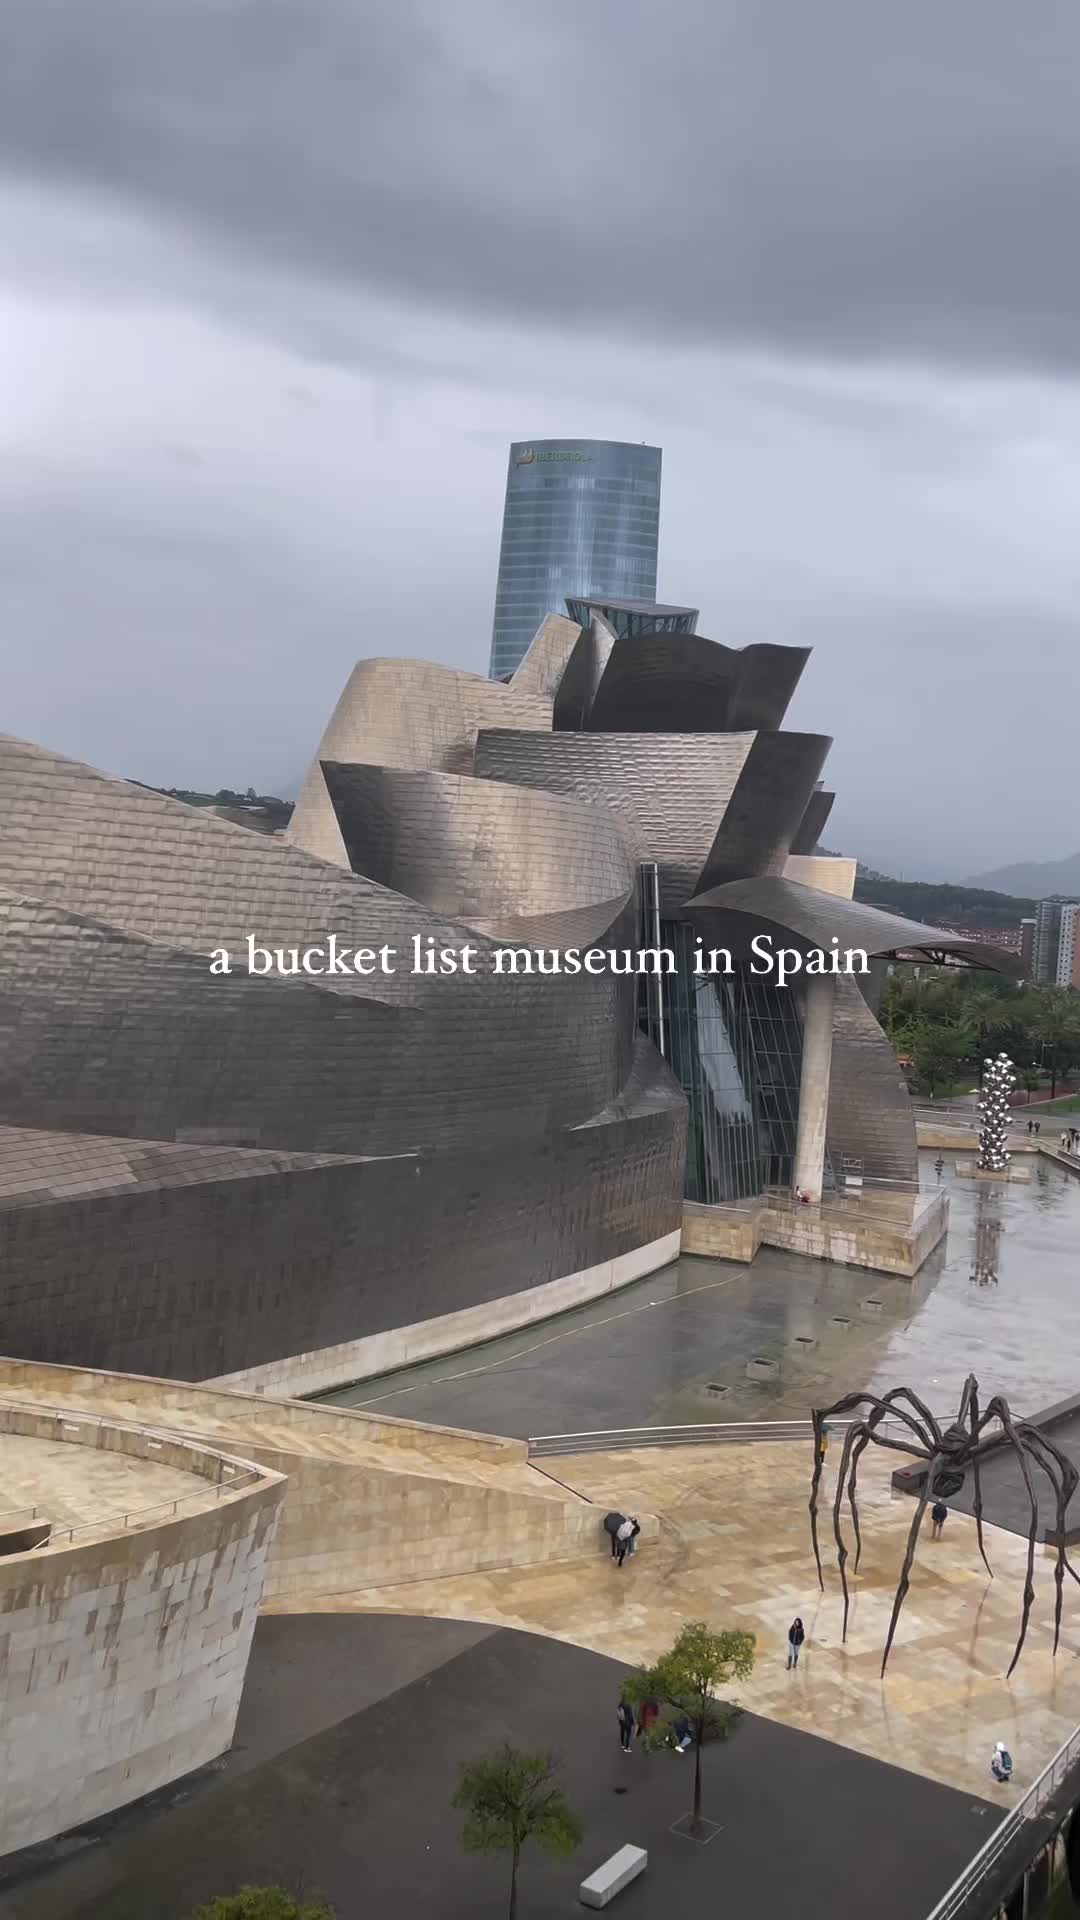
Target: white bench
point(600, 1888)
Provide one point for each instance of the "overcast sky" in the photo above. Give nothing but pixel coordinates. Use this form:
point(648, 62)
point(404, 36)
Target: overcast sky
point(279, 280)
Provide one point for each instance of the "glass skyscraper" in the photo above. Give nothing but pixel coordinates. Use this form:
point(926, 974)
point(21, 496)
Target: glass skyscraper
point(582, 518)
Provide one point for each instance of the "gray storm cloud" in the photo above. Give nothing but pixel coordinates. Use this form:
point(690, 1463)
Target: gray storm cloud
point(845, 175)
point(280, 279)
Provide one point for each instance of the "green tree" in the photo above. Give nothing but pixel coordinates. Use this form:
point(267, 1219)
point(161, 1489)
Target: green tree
point(986, 1015)
point(263, 1903)
point(1057, 1028)
point(685, 1680)
point(509, 1798)
point(939, 1051)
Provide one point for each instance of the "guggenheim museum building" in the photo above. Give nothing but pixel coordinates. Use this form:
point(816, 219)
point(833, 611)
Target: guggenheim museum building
point(292, 1179)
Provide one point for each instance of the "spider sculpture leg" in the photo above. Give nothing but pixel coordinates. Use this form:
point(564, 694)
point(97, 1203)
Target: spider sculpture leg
point(1064, 1479)
point(857, 1452)
point(970, 1405)
point(1000, 1408)
point(1070, 1480)
point(905, 1571)
point(858, 1435)
point(888, 1404)
point(857, 1429)
point(848, 1404)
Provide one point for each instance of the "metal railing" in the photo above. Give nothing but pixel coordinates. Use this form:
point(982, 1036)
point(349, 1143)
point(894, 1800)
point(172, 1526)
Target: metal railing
point(871, 1199)
point(885, 1201)
point(952, 1903)
point(934, 1109)
point(720, 1433)
point(161, 1510)
point(544, 1446)
point(221, 1475)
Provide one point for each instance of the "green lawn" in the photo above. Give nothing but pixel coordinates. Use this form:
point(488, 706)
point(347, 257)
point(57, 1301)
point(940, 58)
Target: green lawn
point(1068, 1103)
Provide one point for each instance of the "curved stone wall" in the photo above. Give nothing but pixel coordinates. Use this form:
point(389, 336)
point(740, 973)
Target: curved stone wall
point(123, 1648)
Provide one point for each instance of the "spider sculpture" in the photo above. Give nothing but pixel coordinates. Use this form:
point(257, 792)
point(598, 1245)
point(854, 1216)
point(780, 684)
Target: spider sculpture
point(949, 1453)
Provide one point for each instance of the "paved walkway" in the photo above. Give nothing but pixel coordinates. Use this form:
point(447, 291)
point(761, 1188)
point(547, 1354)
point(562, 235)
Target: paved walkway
point(735, 1551)
point(361, 1810)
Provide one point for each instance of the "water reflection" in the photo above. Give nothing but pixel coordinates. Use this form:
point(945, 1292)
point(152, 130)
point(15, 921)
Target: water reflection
point(987, 1237)
point(706, 1340)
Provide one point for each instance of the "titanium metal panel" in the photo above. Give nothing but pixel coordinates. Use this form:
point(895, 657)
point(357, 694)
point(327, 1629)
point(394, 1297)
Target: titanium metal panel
point(122, 1035)
point(484, 853)
point(668, 791)
point(210, 1276)
point(812, 826)
point(406, 713)
point(582, 676)
point(766, 805)
point(541, 671)
point(307, 1160)
point(685, 683)
point(870, 1118)
point(808, 918)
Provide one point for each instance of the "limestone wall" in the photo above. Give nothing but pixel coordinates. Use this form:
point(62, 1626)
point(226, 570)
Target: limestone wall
point(862, 1237)
point(122, 1660)
point(348, 1526)
point(370, 1500)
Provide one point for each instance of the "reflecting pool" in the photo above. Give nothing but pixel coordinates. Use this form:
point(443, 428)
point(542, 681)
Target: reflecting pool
point(707, 1340)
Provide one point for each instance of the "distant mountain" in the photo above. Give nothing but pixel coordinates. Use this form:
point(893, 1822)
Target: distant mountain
point(940, 904)
point(1039, 879)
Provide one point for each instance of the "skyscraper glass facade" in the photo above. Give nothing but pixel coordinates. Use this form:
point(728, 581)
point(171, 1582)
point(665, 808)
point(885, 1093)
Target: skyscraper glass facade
point(582, 517)
point(1047, 938)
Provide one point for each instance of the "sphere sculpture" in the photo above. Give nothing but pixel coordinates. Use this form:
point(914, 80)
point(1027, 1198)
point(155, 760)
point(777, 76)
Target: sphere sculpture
point(998, 1082)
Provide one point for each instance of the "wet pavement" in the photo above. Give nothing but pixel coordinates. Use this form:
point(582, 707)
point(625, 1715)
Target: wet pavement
point(707, 1340)
point(360, 1811)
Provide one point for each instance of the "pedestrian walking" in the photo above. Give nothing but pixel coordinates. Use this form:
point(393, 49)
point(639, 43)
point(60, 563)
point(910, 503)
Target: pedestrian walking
point(1031, 1125)
point(795, 1638)
point(939, 1513)
point(647, 1717)
point(682, 1734)
point(626, 1725)
point(625, 1538)
point(1001, 1765)
point(612, 1523)
point(1038, 1124)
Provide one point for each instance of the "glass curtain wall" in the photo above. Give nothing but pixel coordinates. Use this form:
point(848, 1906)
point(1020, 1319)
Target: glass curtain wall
point(581, 517)
point(734, 1044)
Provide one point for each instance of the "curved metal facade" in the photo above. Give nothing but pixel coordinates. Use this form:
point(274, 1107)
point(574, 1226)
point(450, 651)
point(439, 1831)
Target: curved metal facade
point(202, 1174)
